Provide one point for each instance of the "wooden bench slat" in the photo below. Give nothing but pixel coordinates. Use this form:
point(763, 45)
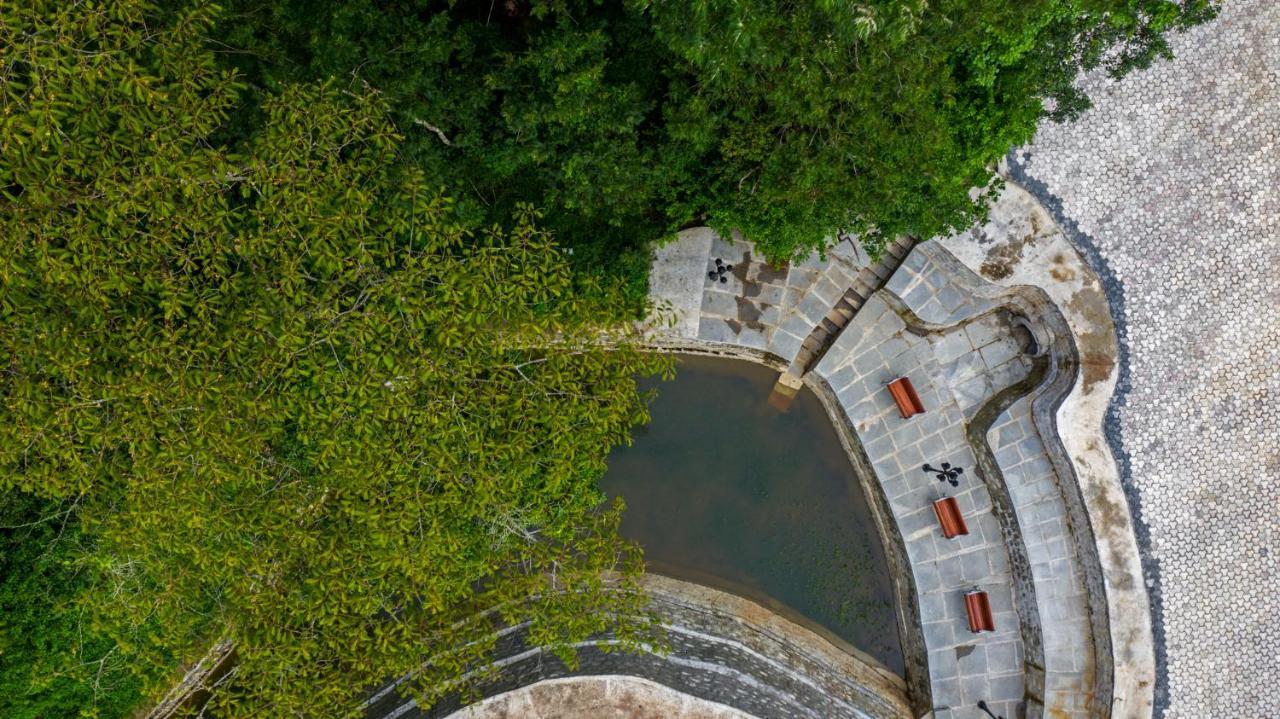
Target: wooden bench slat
point(978, 606)
point(904, 395)
point(950, 519)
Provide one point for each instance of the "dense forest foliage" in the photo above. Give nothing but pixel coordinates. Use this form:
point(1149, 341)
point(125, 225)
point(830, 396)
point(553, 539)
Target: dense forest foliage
point(290, 397)
point(788, 120)
point(52, 661)
point(308, 308)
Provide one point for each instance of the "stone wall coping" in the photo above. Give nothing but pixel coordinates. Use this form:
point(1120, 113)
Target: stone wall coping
point(599, 696)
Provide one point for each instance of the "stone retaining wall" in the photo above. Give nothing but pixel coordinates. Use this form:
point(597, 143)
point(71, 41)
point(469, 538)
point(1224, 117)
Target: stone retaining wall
point(597, 697)
point(1021, 245)
point(724, 649)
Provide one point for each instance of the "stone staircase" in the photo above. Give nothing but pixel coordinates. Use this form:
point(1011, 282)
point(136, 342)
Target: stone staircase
point(868, 280)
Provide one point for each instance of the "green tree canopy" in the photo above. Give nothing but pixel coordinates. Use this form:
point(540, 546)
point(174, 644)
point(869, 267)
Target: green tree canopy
point(296, 401)
point(626, 119)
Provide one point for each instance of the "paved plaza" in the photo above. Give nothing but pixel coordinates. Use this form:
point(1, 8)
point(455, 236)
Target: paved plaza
point(1171, 187)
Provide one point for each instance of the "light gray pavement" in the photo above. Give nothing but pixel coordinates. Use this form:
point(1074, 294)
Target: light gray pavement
point(1171, 185)
point(757, 307)
point(1023, 546)
point(963, 668)
point(1018, 247)
point(1045, 531)
point(596, 697)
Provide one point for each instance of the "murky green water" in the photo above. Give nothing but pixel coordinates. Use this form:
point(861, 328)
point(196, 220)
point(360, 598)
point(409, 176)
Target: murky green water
point(724, 490)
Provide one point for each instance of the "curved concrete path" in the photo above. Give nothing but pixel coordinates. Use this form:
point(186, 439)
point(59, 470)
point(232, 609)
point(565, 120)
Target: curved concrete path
point(723, 651)
point(597, 697)
point(1021, 245)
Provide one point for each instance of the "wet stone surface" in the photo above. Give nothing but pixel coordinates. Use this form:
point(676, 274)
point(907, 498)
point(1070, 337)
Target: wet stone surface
point(723, 650)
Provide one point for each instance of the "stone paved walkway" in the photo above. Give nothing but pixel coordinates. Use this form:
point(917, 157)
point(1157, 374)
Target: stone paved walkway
point(756, 306)
point(963, 668)
point(1172, 185)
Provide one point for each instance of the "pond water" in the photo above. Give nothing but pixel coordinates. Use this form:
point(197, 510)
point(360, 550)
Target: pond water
point(724, 490)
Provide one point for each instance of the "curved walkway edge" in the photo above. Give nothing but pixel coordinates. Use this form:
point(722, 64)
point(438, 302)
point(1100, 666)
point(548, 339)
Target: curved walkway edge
point(728, 657)
point(1021, 245)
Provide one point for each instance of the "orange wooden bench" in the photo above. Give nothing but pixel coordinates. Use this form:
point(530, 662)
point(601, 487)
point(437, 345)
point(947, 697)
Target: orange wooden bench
point(978, 607)
point(949, 517)
point(906, 398)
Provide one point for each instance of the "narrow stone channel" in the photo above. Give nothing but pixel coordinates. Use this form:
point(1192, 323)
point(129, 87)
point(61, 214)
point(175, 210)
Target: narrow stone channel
point(724, 490)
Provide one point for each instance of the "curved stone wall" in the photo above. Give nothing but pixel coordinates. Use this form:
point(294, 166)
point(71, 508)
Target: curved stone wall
point(1021, 245)
point(1041, 543)
point(599, 697)
point(724, 649)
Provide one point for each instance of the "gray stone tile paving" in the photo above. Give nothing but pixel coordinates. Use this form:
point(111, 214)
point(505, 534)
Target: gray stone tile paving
point(956, 370)
point(1033, 489)
point(979, 358)
point(934, 292)
point(1169, 186)
point(874, 349)
point(758, 306)
point(959, 353)
point(595, 696)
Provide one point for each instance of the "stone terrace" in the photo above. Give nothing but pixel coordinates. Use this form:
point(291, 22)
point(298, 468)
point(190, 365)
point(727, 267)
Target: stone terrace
point(758, 307)
point(874, 349)
point(955, 336)
point(1021, 552)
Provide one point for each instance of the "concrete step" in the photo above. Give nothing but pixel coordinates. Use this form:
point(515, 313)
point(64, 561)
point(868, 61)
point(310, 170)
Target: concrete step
point(895, 250)
point(865, 285)
point(844, 308)
point(881, 271)
point(785, 390)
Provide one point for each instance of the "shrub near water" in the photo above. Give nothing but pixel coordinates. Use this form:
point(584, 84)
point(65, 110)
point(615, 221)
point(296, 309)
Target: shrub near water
point(52, 661)
point(302, 397)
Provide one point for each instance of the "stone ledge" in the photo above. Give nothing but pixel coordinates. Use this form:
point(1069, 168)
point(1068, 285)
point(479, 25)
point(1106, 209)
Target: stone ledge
point(600, 697)
point(1063, 611)
point(934, 291)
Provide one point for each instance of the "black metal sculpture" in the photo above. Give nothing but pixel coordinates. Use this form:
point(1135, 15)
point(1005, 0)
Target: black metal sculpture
point(718, 272)
point(983, 706)
point(947, 473)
